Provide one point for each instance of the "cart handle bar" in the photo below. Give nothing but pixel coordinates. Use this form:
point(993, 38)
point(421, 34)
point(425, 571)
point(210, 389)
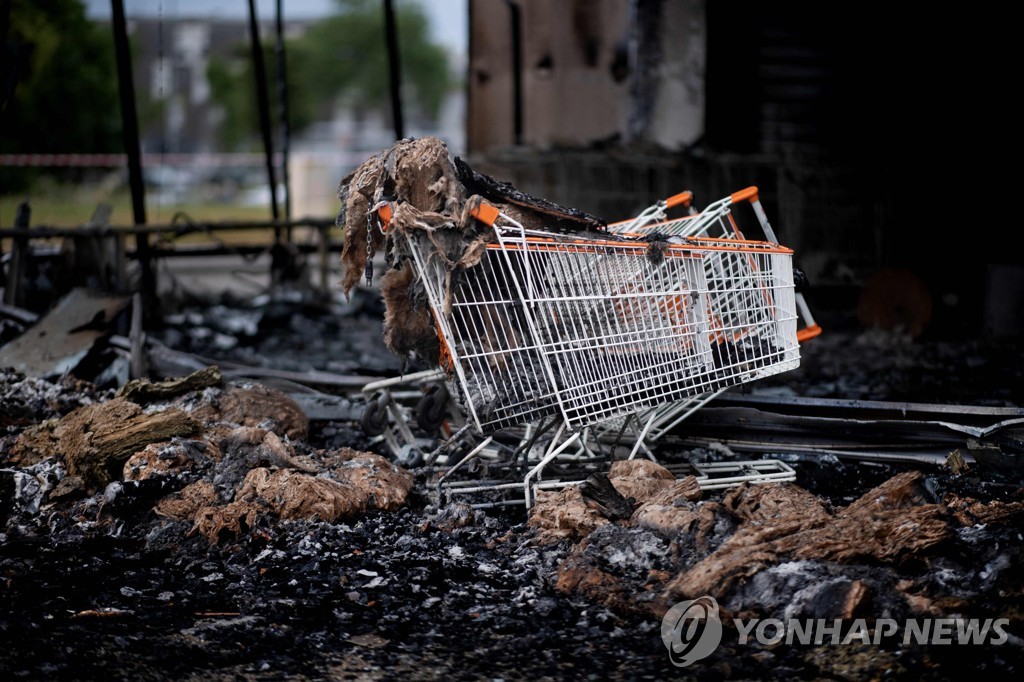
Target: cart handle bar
point(483, 212)
point(748, 194)
point(681, 199)
point(808, 333)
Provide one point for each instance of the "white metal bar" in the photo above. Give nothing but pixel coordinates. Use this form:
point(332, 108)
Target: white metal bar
point(473, 453)
point(536, 471)
point(642, 435)
point(425, 375)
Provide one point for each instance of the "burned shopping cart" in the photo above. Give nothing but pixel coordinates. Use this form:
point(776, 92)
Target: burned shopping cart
point(586, 328)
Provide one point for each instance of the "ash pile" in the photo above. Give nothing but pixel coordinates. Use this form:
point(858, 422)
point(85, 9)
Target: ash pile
point(229, 523)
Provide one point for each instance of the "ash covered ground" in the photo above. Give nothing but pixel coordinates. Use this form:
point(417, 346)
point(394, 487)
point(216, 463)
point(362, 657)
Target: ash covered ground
point(195, 561)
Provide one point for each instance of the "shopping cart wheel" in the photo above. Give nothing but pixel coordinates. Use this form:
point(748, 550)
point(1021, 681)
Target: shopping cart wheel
point(375, 417)
point(409, 457)
point(800, 282)
point(432, 409)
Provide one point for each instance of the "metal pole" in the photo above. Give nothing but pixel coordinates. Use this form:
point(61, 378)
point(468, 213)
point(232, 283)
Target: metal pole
point(6, 76)
point(263, 105)
point(130, 137)
point(137, 357)
point(282, 103)
point(394, 68)
point(13, 293)
point(517, 70)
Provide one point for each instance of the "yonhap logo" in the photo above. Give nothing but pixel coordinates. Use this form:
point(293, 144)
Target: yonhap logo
point(691, 630)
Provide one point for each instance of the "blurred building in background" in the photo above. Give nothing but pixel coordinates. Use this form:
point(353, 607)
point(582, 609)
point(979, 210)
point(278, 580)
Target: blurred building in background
point(641, 99)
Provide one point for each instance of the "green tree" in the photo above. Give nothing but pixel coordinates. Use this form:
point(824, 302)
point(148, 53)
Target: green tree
point(65, 97)
point(340, 60)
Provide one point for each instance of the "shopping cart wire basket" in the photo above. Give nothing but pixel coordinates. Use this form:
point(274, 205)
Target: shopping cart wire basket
point(593, 327)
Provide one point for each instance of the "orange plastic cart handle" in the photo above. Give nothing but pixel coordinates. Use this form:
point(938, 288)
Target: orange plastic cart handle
point(681, 199)
point(384, 214)
point(808, 333)
point(485, 213)
point(748, 194)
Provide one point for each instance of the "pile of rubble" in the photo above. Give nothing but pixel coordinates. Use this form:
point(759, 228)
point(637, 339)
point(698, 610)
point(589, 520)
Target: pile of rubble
point(185, 526)
point(196, 449)
point(782, 551)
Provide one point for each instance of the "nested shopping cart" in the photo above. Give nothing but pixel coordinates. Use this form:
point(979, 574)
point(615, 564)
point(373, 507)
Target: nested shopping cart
point(736, 333)
point(716, 221)
point(592, 328)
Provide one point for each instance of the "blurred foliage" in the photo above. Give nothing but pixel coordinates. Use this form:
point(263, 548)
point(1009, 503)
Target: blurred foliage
point(339, 61)
point(65, 85)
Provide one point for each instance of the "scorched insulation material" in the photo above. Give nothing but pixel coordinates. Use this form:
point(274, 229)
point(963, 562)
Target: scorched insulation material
point(433, 192)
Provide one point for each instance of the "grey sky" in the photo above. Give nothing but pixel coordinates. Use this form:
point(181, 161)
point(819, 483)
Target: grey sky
point(448, 18)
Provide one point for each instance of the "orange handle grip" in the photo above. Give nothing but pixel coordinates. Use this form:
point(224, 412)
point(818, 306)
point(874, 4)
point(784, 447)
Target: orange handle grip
point(681, 199)
point(748, 194)
point(485, 213)
point(808, 333)
point(385, 214)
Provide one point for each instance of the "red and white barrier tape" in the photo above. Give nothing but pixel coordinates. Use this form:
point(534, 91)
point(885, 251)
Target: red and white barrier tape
point(204, 160)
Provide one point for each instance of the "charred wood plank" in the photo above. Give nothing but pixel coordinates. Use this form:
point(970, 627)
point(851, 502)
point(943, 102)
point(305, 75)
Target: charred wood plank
point(167, 363)
point(95, 441)
point(144, 391)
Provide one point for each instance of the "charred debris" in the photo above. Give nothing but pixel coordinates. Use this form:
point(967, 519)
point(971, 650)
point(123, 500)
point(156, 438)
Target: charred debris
point(434, 193)
point(228, 515)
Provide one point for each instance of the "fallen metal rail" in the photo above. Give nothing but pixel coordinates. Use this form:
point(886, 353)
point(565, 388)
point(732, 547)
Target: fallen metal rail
point(172, 229)
point(133, 242)
point(857, 429)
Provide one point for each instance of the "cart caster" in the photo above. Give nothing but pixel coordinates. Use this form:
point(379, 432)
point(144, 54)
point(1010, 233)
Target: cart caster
point(432, 409)
point(800, 282)
point(375, 416)
point(409, 457)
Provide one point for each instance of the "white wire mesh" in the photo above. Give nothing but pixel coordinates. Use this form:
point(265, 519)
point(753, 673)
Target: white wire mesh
point(752, 325)
point(751, 312)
